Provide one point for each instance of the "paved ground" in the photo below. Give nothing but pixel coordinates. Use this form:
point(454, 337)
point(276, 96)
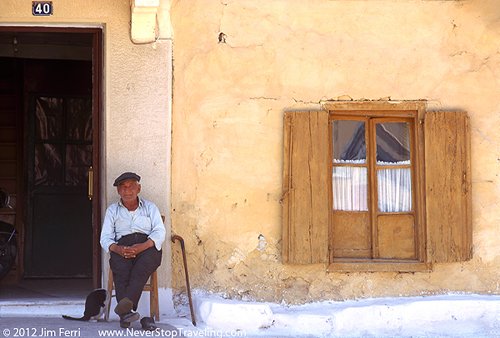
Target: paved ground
point(59, 327)
point(32, 308)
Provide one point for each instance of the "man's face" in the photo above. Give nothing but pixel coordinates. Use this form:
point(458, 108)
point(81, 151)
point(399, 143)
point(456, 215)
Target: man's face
point(128, 190)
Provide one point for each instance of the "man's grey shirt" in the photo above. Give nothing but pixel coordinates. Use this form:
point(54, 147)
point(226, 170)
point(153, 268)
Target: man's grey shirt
point(119, 222)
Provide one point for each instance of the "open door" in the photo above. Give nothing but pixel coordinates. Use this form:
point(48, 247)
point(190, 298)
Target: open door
point(58, 74)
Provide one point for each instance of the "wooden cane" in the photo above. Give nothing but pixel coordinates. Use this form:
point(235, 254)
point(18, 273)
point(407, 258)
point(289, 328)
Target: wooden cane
point(181, 240)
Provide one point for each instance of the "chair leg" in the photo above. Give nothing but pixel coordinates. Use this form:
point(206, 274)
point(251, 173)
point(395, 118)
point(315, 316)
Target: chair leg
point(154, 307)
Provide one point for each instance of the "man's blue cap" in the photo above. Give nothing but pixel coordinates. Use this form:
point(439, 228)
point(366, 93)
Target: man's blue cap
point(126, 176)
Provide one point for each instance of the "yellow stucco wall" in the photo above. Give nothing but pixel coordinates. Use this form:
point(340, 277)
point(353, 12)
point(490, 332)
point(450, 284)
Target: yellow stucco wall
point(136, 99)
point(229, 100)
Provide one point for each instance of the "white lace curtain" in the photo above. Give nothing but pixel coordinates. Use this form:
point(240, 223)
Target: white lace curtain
point(350, 188)
point(394, 190)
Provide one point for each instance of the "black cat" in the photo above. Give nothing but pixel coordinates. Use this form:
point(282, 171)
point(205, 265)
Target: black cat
point(94, 306)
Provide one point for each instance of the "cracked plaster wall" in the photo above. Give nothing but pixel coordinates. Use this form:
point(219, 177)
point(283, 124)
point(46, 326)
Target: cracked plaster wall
point(230, 92)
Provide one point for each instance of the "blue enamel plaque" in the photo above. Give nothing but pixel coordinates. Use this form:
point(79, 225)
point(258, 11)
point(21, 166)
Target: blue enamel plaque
point(42, 8)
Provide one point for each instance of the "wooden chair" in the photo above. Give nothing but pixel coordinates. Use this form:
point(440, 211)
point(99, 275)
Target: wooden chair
point(151, 286)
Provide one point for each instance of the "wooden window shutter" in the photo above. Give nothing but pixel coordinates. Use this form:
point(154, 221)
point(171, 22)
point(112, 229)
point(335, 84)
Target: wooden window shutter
point(448, 187)
point(305, 188)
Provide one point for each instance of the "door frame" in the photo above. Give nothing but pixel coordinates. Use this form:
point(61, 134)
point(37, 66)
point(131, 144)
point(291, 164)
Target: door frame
point(97, 113)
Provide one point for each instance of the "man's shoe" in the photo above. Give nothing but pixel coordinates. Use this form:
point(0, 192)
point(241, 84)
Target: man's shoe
point(130, 317)
point(124, 306)
point(148, 324)
point(124, 325)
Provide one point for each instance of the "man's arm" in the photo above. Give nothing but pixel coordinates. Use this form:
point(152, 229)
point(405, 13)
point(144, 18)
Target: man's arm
point(158, 231)
point(108, 231)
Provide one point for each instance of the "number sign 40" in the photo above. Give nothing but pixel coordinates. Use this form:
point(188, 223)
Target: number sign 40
point(42, 8)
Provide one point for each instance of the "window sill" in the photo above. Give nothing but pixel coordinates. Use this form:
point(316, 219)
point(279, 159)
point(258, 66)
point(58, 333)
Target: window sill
point(378, 266)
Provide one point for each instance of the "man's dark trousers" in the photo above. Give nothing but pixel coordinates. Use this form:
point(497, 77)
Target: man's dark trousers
point(131, 274)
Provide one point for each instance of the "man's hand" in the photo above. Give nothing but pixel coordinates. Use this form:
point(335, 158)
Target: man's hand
point(131, 251)
point(124, 251)
point(140, 247)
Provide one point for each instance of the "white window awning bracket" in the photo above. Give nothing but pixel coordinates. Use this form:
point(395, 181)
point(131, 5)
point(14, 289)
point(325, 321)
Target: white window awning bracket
point(150, 20)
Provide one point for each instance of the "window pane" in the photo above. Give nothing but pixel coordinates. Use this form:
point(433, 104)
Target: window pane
point(48, 113)
point(79, 124)
point(394, 190)
point(78, 160)
point(393, 143)
point(48, 164)
point(350, 186)
point(349, 142)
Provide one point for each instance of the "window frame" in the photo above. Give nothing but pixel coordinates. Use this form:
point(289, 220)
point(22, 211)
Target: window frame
point(413, 111)
point(443, 150)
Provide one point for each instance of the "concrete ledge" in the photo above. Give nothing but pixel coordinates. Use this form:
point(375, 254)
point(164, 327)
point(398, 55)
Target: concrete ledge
point(228, 315)
point(454, 315)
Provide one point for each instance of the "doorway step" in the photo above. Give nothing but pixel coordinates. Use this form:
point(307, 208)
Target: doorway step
point(45, 297)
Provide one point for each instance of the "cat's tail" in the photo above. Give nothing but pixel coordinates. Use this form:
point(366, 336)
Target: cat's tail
point(83, 319)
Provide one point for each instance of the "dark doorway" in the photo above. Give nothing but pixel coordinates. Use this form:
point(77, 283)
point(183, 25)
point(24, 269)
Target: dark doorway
point(56, 77)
